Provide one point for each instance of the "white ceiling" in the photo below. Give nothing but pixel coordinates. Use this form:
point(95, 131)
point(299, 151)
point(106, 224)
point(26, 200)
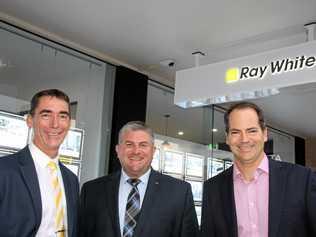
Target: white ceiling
point(142, 33)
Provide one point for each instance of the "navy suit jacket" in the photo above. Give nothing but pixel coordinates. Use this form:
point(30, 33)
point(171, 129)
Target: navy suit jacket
point(20, 198)
point(292, 203)
point(167, 209)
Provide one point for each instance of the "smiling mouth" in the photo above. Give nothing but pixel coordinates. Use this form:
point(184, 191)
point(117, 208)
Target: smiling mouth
point(135, 158)
point(245, 148)
point(54, 134)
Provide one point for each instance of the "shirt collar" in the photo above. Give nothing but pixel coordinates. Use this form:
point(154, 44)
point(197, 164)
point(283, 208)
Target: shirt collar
point(262, 168)
point(40, 157)
point(143, 179)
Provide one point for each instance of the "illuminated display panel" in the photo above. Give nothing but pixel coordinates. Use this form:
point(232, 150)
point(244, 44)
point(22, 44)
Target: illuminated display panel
point(227, 164)
point(13, 131)
point(215, 166)
point(155, 164)
point(72, 144)
point(197, 187)
point(173, 162)
point(194, 165)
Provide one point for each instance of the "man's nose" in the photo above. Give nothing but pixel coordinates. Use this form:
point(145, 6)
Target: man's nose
point(244, 137)
point(137, 149)
point(55, 121)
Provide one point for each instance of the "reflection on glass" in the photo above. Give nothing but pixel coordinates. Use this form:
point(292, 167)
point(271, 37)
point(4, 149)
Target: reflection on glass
point(72, 144)
point(196, 189)
point(173, 162)
point(72, 166)
point(177, 176)
point(155, 164)
point(227, 164)
point(198, 210)
point(215, 166)
point(194, 165)
point(275, 157)
point(13, 131)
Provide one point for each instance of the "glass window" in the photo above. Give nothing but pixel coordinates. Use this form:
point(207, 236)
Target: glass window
point(30, 63)
point(196, 139)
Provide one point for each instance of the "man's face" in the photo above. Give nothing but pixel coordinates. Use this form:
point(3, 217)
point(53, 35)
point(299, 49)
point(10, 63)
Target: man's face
point(245, 137)
point(50, 123)
point(135, 153)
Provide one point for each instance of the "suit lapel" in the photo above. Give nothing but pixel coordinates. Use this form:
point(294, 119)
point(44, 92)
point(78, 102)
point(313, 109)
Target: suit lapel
point(149, 200)
point(277, 183)
point(29, 175)
point(112, 196)
point(229, 202)
point(69, 198)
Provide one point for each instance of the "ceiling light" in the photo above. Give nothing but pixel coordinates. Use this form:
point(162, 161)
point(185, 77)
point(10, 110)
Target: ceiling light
point(229, 98)
point(180, 133)
point(3, 64)
point(214, 130)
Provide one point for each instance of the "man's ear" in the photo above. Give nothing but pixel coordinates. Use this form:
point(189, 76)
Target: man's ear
point(117, 149)
point(265, 134)
point(29, 121)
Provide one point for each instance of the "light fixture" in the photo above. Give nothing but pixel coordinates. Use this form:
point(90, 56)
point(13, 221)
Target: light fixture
point(166, 144)
point(5, 64)
point(180, 133)
point(214, 130)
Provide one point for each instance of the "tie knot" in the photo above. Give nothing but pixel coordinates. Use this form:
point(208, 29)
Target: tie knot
point(133, 182)
point(52, 166)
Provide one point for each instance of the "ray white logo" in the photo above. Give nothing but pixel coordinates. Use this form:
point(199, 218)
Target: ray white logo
point(275, 67)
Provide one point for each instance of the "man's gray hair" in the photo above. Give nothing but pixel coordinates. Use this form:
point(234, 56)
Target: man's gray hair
point(136, 126)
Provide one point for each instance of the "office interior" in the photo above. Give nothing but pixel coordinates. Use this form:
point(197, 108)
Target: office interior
point(104, 97)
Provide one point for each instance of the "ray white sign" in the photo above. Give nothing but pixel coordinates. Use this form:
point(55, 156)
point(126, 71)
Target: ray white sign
point(275, 67)
point(260, 74)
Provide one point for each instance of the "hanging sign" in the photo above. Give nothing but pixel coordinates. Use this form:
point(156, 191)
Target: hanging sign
point(247, 77)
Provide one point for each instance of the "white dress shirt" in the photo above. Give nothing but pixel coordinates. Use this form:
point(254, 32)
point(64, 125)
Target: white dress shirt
point(124, 190)
point(41, 160)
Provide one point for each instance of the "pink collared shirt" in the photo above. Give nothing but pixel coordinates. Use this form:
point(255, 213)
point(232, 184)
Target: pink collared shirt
point(252, 201)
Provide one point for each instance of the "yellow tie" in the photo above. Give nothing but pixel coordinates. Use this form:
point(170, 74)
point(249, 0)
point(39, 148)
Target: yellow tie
point(59, 215)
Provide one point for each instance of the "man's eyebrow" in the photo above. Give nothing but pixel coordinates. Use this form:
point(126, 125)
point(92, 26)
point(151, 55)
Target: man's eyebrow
point(251, 128)
point(45, 111)
point(50, 111)
point(64, 112)
point(234, 129)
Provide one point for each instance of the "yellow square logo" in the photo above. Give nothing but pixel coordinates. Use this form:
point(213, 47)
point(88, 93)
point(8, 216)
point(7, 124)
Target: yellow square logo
point(232, 75)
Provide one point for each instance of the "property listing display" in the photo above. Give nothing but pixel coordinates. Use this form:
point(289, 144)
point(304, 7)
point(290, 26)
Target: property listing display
point(14, 135)
point(193, 168)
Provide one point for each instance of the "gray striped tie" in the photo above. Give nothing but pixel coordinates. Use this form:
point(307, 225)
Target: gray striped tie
point(132, 209)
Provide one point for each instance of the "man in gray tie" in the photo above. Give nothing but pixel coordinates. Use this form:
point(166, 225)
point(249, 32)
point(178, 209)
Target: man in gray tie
point(137, 201)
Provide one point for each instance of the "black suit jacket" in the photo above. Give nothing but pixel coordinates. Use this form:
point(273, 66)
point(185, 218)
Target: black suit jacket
point(167, 209)
point(20, 198)
point(292, 203)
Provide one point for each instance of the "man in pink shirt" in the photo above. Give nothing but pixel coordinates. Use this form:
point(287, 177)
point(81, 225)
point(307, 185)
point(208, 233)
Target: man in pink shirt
point(257, 197)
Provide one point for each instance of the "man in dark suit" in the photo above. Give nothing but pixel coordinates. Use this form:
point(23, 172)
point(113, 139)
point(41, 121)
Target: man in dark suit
point(137, 201)
point(38, 195)
point(257, 196)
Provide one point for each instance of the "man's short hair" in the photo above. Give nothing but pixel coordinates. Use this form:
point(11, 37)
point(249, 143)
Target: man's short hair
point(51, 93)
point(136, 126)
point(245, 105)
